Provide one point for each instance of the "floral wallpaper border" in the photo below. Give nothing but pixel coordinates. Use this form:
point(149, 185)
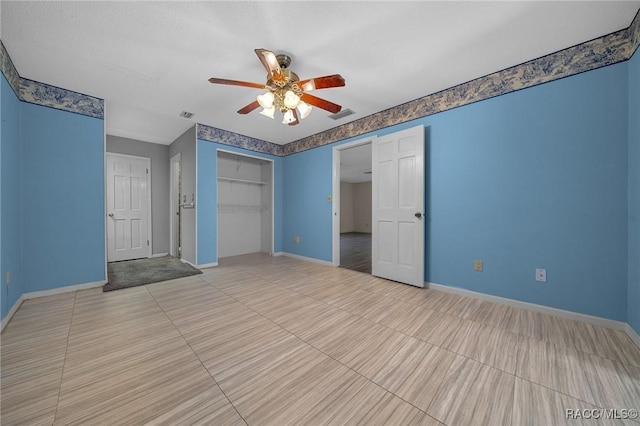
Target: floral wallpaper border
point(43, 94)
point(600, 52)
point(213, 134)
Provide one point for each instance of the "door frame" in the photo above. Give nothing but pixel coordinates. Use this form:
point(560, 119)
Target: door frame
point(335, 223)
point(106, 213)
point(173, 209)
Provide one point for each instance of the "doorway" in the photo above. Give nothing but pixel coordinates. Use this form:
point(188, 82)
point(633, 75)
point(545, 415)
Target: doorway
point(352, 206)
point(175, 248)
point(397, 204)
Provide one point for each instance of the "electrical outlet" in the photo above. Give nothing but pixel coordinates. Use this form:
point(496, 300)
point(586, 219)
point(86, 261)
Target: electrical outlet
point(296, 239)
point(541, 275)
point(477, 266)
point(7, 277)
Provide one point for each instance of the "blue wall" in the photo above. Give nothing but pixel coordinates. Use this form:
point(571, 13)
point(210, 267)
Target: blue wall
point(11, 224)
point(62, 176)
point(535, 178)
point(633, 296)
point(307, 212)
point(206, 202)
point(544, 177)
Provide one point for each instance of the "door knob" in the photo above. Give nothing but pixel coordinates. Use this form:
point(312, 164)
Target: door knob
point(418, 215)
point(110, 214)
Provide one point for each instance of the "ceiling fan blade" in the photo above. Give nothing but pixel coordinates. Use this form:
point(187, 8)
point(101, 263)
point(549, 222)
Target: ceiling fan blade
point(325, 82)
point(247, 109)
point(320, 103)
point(236, 83)
point(269, 62)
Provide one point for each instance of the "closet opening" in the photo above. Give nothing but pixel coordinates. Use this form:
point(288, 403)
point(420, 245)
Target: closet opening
point(245, 204)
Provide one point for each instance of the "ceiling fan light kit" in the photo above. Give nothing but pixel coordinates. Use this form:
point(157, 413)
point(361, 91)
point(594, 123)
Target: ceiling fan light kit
point(285, 92)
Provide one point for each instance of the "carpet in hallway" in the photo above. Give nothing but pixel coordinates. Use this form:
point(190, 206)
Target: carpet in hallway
point(132, 273)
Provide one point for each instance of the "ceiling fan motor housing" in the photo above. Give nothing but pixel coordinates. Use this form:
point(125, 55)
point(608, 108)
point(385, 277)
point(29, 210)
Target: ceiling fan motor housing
point(283, 60)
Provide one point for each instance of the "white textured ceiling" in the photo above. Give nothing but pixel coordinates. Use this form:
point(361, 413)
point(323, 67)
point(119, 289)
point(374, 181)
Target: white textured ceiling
point(151, 60)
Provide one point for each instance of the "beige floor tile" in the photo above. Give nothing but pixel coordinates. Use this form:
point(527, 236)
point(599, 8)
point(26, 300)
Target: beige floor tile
point(441, 329)
point(612, 384)
point(279, 341)
point(474, 394)
point(414, 372)
point(487, 345)
point(537, 405)
point(558, 369)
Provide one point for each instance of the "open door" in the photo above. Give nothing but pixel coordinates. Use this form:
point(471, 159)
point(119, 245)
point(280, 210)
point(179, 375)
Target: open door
point(398, 206)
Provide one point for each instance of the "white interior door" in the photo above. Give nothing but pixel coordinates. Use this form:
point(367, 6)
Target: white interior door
point(127, 207)
point(398, 206)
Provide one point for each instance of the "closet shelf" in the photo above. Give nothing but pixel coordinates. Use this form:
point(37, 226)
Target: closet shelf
point(253, 182)
point(240, 208)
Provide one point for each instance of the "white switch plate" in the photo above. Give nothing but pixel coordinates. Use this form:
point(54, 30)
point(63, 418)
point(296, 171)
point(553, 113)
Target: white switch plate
point(541, 275)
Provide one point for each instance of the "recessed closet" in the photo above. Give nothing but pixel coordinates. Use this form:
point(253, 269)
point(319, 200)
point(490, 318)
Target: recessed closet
point(245, 204)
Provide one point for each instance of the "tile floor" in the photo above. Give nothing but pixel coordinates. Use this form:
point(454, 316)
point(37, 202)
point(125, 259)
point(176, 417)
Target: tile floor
point(276, 341)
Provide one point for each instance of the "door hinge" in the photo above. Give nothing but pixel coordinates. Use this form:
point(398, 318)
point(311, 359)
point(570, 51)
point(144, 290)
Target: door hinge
point(147, 242)
point(147, 171)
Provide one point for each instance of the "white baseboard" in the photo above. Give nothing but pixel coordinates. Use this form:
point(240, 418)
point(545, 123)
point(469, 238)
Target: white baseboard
point(159, 255)
point(278, 253)
point(207, 265)
point(308, 259)
point(590, 319)
point(632, 334)
point(61, 290)
point(45, 293)
point(11, 312)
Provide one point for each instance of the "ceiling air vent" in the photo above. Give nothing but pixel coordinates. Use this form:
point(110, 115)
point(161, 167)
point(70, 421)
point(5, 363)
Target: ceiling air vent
point(341, 114)
point(186, 114)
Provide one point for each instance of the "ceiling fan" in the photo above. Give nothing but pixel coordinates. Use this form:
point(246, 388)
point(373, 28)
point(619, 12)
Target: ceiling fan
point(285, 91)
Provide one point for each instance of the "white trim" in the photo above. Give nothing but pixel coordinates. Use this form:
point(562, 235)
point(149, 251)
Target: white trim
point(11, 312)
point(45, 293)
point(207, 265)
point(188, 263)
point(589, 319)
point(309, 259)
point(273, 206)
point(197, 201)
point(278, 253)
point(159, 255)
point(335, 189)
point(632, 334)
point(104, 189)
point(62, 290)
point(149, 210)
